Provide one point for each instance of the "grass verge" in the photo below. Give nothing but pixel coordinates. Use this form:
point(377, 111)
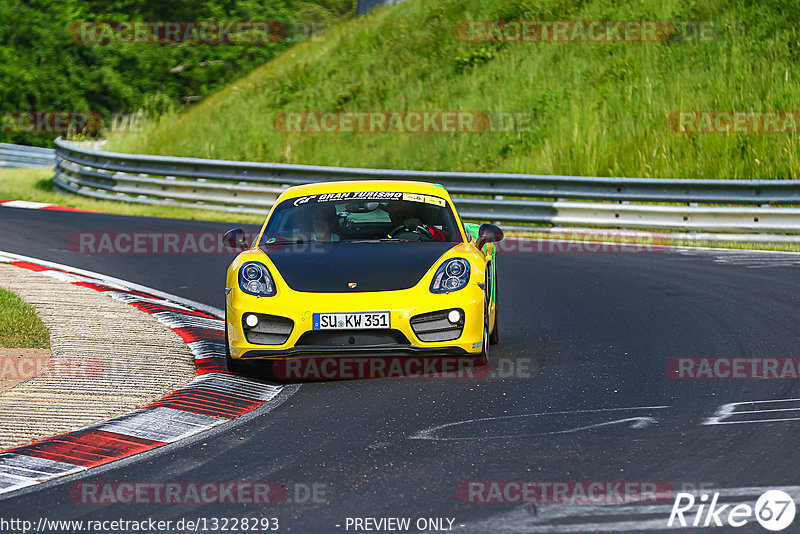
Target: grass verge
point(20, 327)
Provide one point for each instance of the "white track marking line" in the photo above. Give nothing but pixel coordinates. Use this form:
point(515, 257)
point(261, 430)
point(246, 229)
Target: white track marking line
point(765, 401)
point(427, 433)
point(768, 411)
point(25, 204)
point(729, 411)
point(783, 420)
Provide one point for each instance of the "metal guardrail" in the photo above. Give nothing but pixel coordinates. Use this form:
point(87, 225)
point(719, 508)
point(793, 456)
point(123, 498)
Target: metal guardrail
point(513, 200)
point(365, 6)
point(25, 156)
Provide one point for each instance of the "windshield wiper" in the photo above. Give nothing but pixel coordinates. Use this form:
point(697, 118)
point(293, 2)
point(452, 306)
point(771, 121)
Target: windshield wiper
point(285, 242)
point(376, 240)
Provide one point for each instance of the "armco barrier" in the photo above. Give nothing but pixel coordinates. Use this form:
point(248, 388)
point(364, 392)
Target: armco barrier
point(25, 156)
point(513, 200)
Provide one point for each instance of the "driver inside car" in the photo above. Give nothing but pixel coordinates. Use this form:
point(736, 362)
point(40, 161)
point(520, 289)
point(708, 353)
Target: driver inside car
point(324, 220)
point(405, 213)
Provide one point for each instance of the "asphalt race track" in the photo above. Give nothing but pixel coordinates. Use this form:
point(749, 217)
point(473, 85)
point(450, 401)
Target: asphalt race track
point(579, 392)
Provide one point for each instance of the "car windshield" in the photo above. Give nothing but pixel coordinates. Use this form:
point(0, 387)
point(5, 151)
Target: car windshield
point(361, 216)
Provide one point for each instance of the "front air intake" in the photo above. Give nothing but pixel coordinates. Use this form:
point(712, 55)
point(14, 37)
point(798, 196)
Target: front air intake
point(270, 329)
point(436, 326)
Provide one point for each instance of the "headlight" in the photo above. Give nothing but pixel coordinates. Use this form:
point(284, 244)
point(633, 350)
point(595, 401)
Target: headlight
point(452, 275)
point(254, 279)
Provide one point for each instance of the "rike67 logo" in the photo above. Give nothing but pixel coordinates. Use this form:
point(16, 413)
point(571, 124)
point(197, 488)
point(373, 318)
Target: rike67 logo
point(774, 510)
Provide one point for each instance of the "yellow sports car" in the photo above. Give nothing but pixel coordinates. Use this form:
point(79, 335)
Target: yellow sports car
point(374, 268)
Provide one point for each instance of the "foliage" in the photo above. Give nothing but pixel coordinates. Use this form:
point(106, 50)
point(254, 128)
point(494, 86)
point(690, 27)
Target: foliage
point(44, 67)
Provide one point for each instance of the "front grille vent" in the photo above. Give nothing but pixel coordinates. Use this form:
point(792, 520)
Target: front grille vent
point(435, 326)
point(270, 330)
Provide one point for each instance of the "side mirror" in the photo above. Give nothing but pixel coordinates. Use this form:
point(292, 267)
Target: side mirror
point(488, 233)
point(235, 239)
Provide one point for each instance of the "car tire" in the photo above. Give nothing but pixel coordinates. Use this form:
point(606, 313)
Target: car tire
point(483, 358)
point(494, 337)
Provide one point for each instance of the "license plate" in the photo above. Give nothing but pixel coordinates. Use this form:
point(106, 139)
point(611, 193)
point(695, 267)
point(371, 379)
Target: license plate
point(351, 321)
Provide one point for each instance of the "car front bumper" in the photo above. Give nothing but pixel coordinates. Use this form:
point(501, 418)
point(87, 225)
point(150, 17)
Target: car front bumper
point(403, 305)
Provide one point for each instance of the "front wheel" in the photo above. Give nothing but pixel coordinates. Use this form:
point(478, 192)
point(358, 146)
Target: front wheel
point(494, 336)
point(483, 358)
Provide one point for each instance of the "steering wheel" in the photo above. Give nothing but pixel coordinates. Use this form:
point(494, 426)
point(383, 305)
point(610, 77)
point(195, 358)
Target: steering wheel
point(420, 231)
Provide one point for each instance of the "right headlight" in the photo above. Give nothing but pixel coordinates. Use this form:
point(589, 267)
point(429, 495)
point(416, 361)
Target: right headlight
point(254, 279)
point(452, 275)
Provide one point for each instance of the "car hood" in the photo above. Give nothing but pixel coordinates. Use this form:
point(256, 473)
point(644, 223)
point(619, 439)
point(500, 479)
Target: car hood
point(332, 267)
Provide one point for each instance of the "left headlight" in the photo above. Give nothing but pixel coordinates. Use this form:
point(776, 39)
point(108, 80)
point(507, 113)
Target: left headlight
point(452, 275)
point(254, 279)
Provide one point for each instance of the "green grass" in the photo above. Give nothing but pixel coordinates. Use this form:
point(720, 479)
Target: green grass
point(598, 109)
point(20, 327)
point(36, 185)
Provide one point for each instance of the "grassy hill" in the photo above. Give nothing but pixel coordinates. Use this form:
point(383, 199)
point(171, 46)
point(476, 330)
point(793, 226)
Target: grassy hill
point(594, 108)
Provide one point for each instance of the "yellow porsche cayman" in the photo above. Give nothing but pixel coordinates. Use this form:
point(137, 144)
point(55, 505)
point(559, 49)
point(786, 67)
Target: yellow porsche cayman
point(383, 268)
